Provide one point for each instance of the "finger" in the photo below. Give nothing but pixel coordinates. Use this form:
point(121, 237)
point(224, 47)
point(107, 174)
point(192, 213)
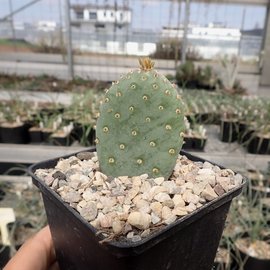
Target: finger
point(54, 266)
point(36, 254)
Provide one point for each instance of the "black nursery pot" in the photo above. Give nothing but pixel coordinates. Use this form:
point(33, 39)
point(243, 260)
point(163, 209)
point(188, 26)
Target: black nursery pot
point(253, 263)
point(199, 144)
point(192, 143)
point(259, 145)
point(79, 131)
point(62, 140)
point(46, 135)
point(18, 134)
point(35, 135)
point(188, 143)
point(4, 255)
point(228, 131)
point(189, 243)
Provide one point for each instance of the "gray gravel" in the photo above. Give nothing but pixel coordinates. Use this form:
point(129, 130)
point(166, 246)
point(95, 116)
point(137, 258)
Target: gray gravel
point(134, 207)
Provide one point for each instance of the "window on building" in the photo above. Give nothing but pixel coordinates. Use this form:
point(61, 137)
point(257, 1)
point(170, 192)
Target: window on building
point(104, 13)
point(92, 15)
point(112, 14)
point(100, 25)
point(79, 15)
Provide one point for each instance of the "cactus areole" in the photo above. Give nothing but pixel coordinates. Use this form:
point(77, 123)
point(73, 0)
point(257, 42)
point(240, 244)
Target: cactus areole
point(141, 124)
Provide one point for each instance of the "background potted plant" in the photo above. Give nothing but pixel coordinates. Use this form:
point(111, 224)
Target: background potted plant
point(228, 75)
point(252, 250)
point(260, 141)
point(83, 112)
point(228, 123)
point(13, 129)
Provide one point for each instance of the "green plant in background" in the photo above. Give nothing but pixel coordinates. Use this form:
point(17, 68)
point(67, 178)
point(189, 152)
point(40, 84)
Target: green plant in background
point(83, 112)
point(207, 78)
point(190, 76)
point(48, 122)
point(247, 228)
point(16, 111)
point(186, 75)
point(252, 242)
point(168, 49)
point(228, 75)
point(140, 125)
point(230, 70)
point(199, 131)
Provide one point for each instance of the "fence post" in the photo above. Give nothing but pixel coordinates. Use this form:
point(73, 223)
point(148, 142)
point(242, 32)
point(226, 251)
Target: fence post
point(69, 41)
point(186, 22)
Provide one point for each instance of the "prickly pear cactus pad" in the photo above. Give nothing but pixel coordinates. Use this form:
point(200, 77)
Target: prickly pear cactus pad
point(141, 124)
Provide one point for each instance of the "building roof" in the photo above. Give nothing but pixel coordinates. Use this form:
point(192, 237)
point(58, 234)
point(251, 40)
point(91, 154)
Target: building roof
point(79, 8)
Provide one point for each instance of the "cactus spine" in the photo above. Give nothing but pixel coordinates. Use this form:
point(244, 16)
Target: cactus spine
point(141, 124)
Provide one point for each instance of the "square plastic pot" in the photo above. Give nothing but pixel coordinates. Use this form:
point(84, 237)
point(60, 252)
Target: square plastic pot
point(17, 135)
point(188, 143)
point(35, 135)
point(199, 144)
point(189, 243)
point(4, 255)
point(228, 131)
point(252, 263)
point(259, 145)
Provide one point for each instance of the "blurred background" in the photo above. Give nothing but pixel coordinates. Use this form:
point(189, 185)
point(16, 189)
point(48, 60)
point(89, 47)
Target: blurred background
point(83, 38)
point(58, 56)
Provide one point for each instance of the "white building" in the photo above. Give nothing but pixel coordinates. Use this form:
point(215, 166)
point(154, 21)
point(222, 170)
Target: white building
point(107, 29)
point(46, 26)
point(104, 18)
point(210, 42)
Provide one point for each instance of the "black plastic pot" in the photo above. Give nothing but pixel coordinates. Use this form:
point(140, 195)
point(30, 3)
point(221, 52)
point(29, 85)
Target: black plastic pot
point(244, 133)
point(18, 134)
point(259, 145)
point(192, 143)
point(4, 255)
point(35, 135)
point(189, 243)
point(199, 144)
point(83, 133)
point(228, 131)
point(252, 263)
point(188, 143)
point(61, 140)
point(46, 135)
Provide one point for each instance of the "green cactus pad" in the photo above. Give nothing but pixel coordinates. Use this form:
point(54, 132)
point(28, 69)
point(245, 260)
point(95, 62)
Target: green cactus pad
point(141, 124)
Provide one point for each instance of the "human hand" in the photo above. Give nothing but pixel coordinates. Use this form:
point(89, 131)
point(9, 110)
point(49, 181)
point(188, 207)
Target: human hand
point(37, 253)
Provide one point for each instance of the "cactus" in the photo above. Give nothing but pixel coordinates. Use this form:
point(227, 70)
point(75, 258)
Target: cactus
point(141, 124)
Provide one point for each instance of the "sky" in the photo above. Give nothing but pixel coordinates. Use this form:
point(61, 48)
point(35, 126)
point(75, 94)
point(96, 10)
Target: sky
point(149, 14)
